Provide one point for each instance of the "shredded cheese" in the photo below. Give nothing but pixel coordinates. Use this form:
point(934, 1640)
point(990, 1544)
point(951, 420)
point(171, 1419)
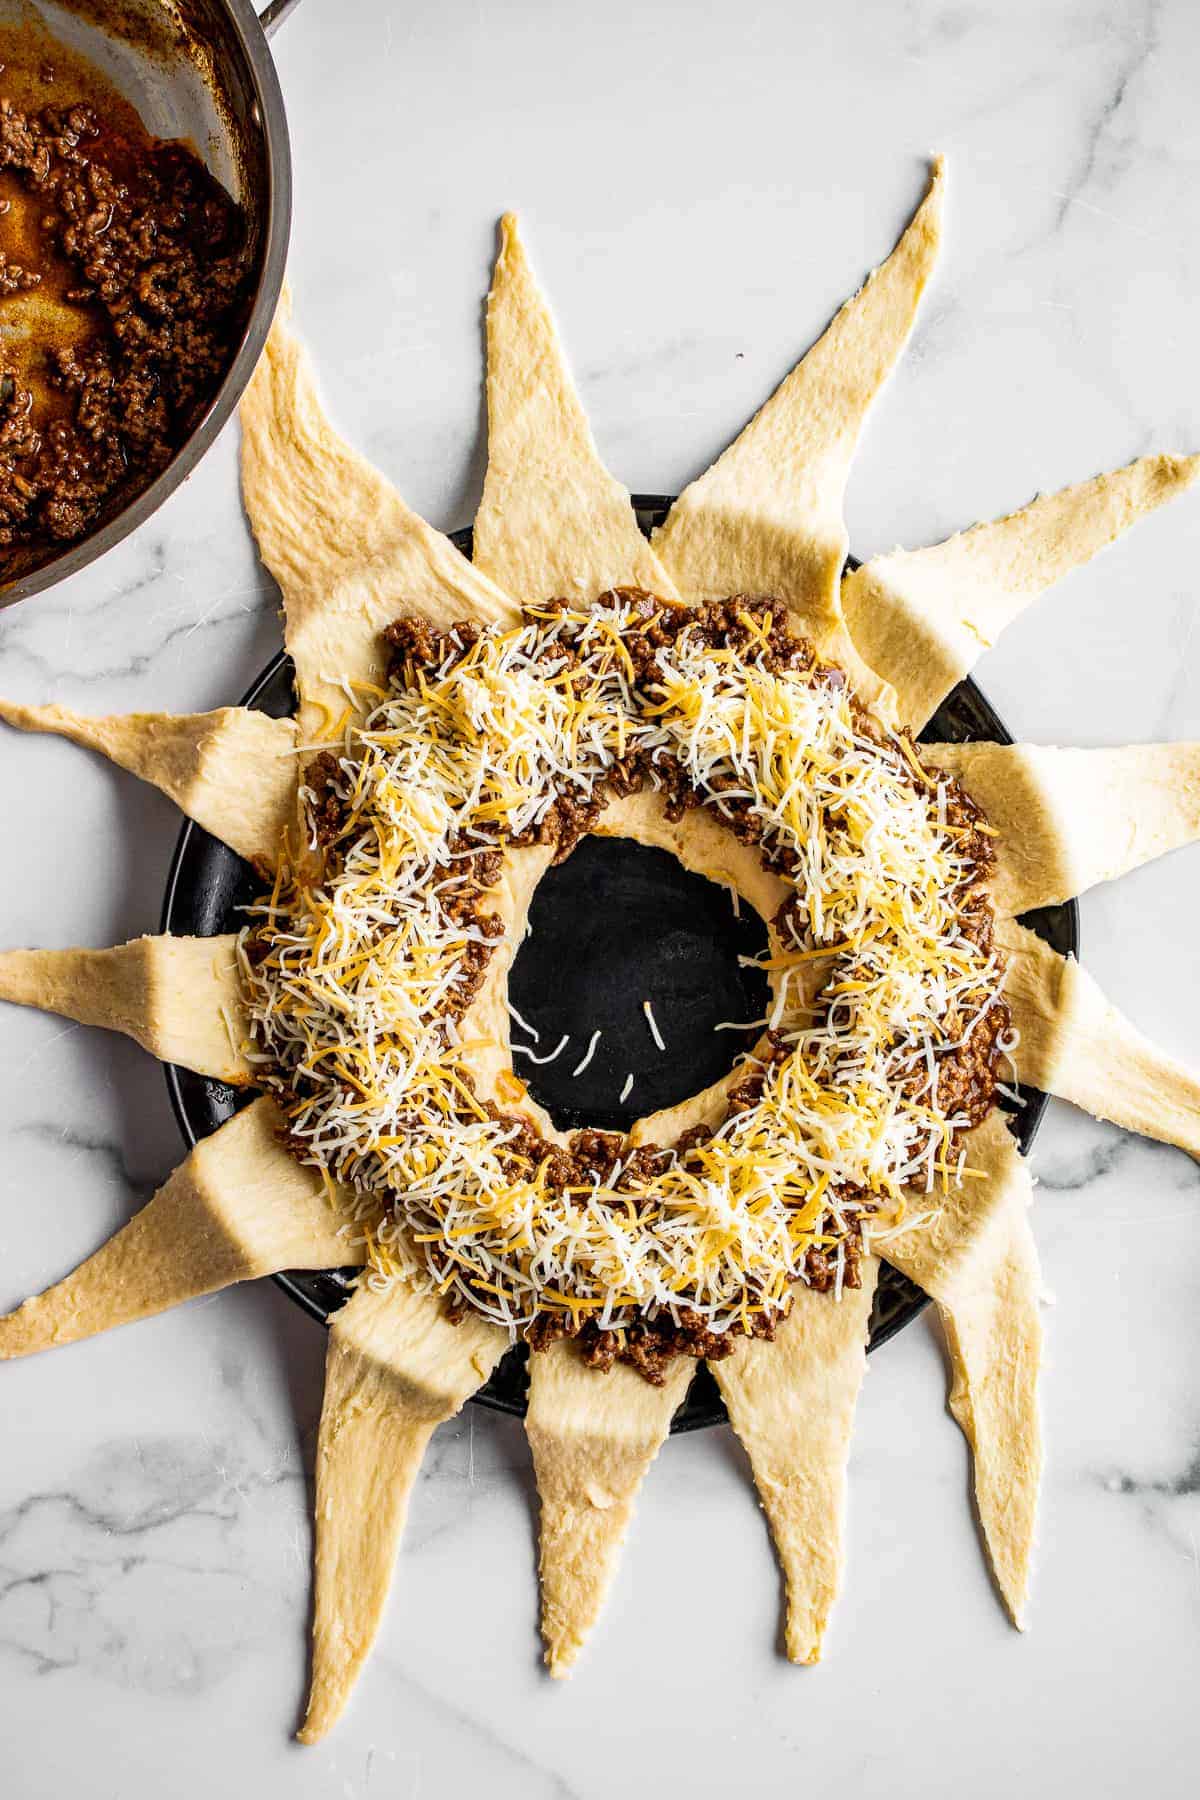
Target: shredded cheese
point(354, 976)
point(552, 1056)
point(515, 1016)
point(652, 1022)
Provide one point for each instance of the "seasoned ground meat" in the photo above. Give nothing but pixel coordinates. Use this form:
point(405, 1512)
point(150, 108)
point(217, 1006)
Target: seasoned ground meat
point(328, 811)
point(744, 623)
point(597, 1153)
point(134, 268)
point(14, 279)
point(967, 1076)
point(413, 643)
point(563, 824)
point(651, 1345)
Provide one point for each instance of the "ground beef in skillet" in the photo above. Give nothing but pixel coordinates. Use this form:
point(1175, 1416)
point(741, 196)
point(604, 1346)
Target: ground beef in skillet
point(159, 286)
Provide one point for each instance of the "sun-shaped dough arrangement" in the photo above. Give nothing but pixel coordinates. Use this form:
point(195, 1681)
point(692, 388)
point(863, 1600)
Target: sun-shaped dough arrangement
point(765, 520)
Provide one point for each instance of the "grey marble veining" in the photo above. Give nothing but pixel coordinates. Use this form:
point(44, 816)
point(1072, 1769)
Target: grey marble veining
point(700, 188)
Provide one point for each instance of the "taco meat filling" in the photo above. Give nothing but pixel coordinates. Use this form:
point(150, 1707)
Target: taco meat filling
point(125, 278)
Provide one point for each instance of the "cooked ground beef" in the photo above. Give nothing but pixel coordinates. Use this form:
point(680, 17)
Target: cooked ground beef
point(743, 623)
point(967, 1076)
point(651, 1345)
point(14, 279)
point(146, 274)
point(413, 643)
point(328, 810)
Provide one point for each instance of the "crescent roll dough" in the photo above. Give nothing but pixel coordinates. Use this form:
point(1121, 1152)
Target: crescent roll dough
point(593, 1437)
point(396, 1368)
point(792, 1404)
point(976, 1259)
point(233, 771)
point(767, 517)
point(922, 618)
point(178, 997)
point(348, 554)
point(1068, 819)
point(1074, 1044)
point(240, 1206)
point(552, 521)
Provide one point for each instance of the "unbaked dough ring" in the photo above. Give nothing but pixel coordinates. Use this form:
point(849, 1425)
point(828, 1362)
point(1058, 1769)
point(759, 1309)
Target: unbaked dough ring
point(700, 844)
point(350, 555)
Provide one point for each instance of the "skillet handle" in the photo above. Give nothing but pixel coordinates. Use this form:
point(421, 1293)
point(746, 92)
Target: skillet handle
point(272, 16)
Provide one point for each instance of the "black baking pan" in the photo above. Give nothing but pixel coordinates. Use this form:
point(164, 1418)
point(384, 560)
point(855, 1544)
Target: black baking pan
point(614, 924)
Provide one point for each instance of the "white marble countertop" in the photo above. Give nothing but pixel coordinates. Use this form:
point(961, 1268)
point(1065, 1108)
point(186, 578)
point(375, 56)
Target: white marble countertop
point(700, 186)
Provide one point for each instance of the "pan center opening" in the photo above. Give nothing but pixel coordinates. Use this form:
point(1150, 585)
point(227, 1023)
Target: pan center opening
point(616, 925)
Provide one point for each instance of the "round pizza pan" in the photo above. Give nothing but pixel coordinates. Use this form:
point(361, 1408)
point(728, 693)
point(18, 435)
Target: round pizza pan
point(208, 885)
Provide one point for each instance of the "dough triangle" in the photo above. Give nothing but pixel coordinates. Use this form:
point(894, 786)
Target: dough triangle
point(1068, 819)
point(792, 1404)
point(552, 521)
point(922, 618)
point(396, 1367)
point(977, 1260)
point(240, 1206)
point(348, 554)
point(593, 1437)
point(767, 518)
point(233, 771)
point(1074, 1044)
point(178, 997)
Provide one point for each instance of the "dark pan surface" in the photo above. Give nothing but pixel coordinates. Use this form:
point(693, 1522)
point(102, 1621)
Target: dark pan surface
point(564, 980)
point(614, 925)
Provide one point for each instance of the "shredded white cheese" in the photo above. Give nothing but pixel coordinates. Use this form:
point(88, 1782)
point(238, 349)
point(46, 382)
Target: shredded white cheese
point(552, 1056)
point(652, 1022)
point(515, 1016)
point(351, 988)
